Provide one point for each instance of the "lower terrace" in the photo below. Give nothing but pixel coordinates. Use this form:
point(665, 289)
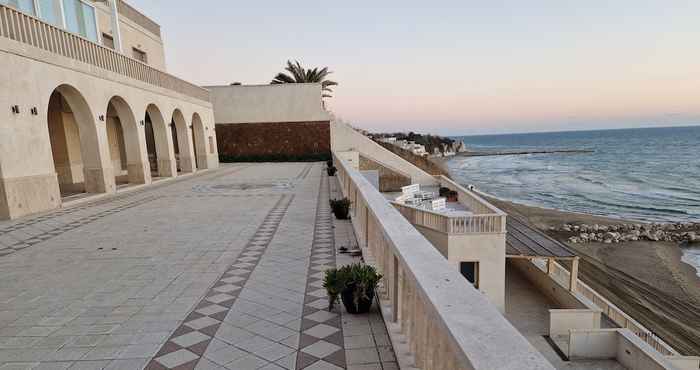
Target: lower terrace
point(515, 266)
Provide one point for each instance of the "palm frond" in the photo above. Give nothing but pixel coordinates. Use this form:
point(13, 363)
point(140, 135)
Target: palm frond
point(298, 74)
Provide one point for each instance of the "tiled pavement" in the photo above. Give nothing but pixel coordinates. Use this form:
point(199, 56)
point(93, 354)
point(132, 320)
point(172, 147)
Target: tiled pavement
point(214, 271)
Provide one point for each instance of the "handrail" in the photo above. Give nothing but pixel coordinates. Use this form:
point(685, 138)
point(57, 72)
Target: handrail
point(447, 322)
point(561, 276)
point(29, 30)
point(476, 223)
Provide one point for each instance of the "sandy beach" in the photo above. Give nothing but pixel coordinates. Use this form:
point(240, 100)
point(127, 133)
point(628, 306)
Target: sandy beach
point(648, 280)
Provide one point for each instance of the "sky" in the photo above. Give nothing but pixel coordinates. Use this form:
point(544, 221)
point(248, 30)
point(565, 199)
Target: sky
point(456, 67)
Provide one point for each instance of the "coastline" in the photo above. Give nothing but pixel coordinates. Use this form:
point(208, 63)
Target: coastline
point(649, 280)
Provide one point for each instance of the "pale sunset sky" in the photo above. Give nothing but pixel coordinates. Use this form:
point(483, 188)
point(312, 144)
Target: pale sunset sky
point(456, 67)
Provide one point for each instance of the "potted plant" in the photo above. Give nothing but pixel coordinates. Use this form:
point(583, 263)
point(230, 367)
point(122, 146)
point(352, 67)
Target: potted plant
point(341, 208)
point(355, 284)
point(331, 170)
point(452, 196)
point(334, 285)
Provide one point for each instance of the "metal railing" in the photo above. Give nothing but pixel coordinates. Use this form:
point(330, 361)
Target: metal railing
point(477, 223)
point(29, 30)
point(429, 304)
point(561, 275)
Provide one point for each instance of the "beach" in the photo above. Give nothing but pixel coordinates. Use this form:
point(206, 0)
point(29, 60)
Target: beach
point(648, 280)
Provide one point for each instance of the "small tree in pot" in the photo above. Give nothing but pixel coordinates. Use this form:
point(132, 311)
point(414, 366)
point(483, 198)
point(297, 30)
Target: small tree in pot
point(341, 208)
point(355, 284)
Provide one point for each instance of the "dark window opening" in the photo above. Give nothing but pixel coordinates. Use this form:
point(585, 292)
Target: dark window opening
point(470, 270)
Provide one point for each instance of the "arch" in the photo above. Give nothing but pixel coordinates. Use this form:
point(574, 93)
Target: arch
point(182, 142)
point(199, 141)
point(127, 150)
point(159, 144)
point(75, 143)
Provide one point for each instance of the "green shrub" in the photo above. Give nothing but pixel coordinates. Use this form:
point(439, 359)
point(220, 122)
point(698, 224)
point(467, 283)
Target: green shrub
point(355, 283)
point(341, 208)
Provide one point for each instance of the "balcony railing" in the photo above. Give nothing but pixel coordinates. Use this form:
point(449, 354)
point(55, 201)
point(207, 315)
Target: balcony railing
point(26, 29)
point(486, 223)
point(445, 322)
point(615, 314)
point(486, 218)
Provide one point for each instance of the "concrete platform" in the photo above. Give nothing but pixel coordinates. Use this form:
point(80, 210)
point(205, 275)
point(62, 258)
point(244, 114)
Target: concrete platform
point(528, 310)
point(220, 270)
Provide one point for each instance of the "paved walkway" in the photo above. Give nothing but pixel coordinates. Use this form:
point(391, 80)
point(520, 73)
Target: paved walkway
point(220, 270)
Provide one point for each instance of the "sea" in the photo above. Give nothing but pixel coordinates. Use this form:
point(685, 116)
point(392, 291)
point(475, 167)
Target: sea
point(647, 174)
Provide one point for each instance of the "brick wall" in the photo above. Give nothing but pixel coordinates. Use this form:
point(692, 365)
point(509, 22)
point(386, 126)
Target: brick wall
point(278, 141)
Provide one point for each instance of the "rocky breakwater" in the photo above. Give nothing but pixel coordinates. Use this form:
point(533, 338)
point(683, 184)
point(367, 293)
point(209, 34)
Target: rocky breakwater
point(682, 232)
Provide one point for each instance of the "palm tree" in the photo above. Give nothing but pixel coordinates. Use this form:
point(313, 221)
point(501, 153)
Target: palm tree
point(298, 74)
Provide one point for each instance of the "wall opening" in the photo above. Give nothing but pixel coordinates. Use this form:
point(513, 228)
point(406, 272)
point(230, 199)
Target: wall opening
point(66, 146)
point(470, 270)
point(151, 146)
point(176, 146)
point(117, 146)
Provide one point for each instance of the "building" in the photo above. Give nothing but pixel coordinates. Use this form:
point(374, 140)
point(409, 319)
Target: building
point(99, 112)
point(271, 122)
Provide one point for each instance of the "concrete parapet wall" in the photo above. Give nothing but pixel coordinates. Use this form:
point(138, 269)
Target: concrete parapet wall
point(559, 294)
point(685, 362)
point(561, 321)
point(389, 180)
point(345, 138)
point(268, 103)
point(619, 344)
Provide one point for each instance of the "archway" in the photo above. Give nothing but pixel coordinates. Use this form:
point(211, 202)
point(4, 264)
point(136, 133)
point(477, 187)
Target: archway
point(124, 145)
point(158, 147)
point(74, 143)
point(182, 143)
point(200, 141)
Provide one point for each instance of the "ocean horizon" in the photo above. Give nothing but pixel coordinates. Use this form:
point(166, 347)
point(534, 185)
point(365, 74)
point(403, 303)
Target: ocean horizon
point(645, 174)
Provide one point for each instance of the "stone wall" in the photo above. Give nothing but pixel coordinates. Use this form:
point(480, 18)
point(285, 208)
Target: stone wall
point(277, 141)
point(389, 181)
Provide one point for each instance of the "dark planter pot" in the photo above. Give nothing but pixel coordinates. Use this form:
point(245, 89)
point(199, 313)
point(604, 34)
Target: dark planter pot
point(364, 304)
point(331, 171)
point(341, 213)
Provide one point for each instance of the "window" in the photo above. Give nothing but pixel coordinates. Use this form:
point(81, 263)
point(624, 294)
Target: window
point(77, 16)
point(25, 6)
point(140, 55)
point(80, 18)
point(107, 41)
point(50, 12)
point(470, 270)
